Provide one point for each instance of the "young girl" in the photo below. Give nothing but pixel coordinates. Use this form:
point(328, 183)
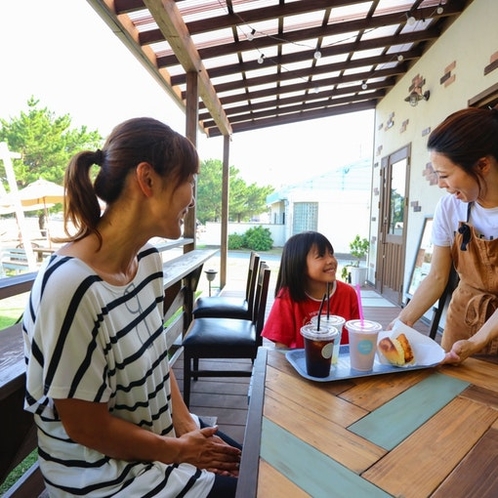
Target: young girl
point(308, 264)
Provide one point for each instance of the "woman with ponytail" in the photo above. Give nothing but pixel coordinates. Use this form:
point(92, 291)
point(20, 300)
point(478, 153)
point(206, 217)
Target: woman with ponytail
point(464, 155)
point(111, 420)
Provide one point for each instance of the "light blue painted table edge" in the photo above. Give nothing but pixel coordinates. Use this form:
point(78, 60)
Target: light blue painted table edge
point(396, 420)
point(311, 470)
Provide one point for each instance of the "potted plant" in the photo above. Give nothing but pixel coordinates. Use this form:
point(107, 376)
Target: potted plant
point(354, 273)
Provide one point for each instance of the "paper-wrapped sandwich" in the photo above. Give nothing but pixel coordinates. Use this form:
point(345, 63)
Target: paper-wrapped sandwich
point(396, 351)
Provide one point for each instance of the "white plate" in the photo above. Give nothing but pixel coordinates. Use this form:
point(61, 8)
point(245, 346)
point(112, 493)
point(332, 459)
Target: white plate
point(426, 351)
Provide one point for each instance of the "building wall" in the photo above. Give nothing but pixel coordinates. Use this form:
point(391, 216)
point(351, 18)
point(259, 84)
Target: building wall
point(343, 198)
point(453, 70)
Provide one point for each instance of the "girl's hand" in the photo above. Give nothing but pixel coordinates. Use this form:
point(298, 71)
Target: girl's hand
point(207, 451)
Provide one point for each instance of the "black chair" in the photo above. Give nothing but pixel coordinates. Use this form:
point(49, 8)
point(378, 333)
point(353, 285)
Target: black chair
point(221, 338)
point(231, 307)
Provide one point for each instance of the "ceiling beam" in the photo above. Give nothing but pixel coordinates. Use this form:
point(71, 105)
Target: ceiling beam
point(338, 66)
point(298, 87)
point(174, 30)
point(123, 28)
point(309, 97)
point(301, 107)
point(296, 118)
point(297, 36)
point(312, 85)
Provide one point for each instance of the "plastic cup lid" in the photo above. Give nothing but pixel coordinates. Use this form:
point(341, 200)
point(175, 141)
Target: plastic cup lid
point(363, 326)
point(331, 320)
point(327, 332)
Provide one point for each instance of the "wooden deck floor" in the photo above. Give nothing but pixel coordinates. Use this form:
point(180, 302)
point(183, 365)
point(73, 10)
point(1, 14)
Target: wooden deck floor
point(226, 398)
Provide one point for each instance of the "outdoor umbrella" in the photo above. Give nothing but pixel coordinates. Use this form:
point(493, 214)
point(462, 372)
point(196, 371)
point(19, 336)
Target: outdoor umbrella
point(40, 194)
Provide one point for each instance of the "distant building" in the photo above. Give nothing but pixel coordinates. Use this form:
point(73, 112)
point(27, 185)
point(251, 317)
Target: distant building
point(336, 203)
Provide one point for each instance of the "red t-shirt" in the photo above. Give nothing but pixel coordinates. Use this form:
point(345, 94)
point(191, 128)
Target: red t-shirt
point(286, 316)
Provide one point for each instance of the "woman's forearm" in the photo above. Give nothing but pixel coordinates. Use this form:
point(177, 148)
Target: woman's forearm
point(182, 420)
point(431, 288)
point(91, 425)
point(429, 291)
point(485, 334)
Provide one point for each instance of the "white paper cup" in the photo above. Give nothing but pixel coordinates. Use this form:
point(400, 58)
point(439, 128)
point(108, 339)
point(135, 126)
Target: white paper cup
point(362, 343)
point(334, 321)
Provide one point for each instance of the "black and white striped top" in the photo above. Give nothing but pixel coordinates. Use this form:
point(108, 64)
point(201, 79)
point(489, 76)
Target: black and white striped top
point(93, 341)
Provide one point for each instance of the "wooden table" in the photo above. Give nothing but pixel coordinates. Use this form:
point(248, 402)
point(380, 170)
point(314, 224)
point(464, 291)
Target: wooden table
point(418, 433)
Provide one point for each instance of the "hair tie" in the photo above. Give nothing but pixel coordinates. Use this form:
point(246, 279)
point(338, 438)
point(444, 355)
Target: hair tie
point(98, 157)
point(494, 111)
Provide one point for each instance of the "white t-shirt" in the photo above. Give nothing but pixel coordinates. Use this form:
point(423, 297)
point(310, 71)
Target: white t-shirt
point(450, 211)
point(89, 340)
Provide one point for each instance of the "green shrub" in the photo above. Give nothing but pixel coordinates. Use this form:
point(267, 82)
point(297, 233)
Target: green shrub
point(258, 239)
point(235, 241)
point(255, 239)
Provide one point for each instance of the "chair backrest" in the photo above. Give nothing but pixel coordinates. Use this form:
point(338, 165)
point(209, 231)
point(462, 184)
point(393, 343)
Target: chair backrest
point(261, 299)
point(252, 278)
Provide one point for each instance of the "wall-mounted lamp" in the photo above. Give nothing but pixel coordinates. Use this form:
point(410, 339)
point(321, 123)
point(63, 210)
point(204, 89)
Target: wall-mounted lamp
point(417, 96)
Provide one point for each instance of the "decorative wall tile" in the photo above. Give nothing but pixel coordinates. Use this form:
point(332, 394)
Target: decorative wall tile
point(448, 77)
point(493, 63)
point(430, 174)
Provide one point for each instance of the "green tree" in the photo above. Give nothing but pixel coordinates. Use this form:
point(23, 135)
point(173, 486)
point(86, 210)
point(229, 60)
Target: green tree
point(208, 195)
point(45, 141)
point(245, 200)
point(249, 201)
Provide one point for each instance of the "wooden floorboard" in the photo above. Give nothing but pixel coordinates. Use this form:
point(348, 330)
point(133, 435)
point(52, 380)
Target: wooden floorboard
point(227, 398)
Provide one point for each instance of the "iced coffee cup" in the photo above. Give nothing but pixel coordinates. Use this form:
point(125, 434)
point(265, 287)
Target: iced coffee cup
point(362, 343)
point(318, 347)
point(334, 321)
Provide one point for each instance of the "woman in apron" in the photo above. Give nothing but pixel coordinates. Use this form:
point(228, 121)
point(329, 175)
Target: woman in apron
point(464, 155)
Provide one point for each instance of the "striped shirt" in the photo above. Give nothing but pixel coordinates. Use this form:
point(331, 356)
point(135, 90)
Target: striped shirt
point(87, 339)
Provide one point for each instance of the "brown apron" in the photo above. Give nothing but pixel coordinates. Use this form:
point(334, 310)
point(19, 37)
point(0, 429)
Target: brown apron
point(476, 297)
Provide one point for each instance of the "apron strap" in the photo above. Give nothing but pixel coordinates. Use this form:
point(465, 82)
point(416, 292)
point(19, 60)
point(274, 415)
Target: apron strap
point(464, 230)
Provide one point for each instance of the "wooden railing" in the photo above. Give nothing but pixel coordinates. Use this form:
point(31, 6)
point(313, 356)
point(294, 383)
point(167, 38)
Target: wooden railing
point(17, 430)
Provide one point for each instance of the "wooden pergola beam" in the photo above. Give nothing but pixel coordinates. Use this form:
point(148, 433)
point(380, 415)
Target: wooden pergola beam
point(175, 32)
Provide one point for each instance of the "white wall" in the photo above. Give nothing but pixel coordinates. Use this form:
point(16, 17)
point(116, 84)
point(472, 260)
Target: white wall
point(470, 42)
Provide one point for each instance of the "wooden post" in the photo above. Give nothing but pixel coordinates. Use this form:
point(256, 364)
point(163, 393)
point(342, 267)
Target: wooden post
point(192, 118)
point(225, 199)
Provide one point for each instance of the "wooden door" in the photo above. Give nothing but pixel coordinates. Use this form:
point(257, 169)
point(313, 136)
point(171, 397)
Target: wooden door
point(393, 226)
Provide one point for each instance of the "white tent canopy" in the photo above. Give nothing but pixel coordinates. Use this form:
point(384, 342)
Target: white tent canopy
point(40, 194)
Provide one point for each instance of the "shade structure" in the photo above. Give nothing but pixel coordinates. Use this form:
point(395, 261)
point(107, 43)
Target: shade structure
point(40, 194)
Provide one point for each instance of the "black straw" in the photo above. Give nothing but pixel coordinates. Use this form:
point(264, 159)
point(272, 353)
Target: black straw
point(320, 312)
point(328, 300)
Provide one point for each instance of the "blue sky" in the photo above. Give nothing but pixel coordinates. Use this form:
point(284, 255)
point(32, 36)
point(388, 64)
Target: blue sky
point(79, 67)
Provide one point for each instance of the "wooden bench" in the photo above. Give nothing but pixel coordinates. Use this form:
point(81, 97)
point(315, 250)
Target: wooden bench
point(14, 259)
point(17, 430)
